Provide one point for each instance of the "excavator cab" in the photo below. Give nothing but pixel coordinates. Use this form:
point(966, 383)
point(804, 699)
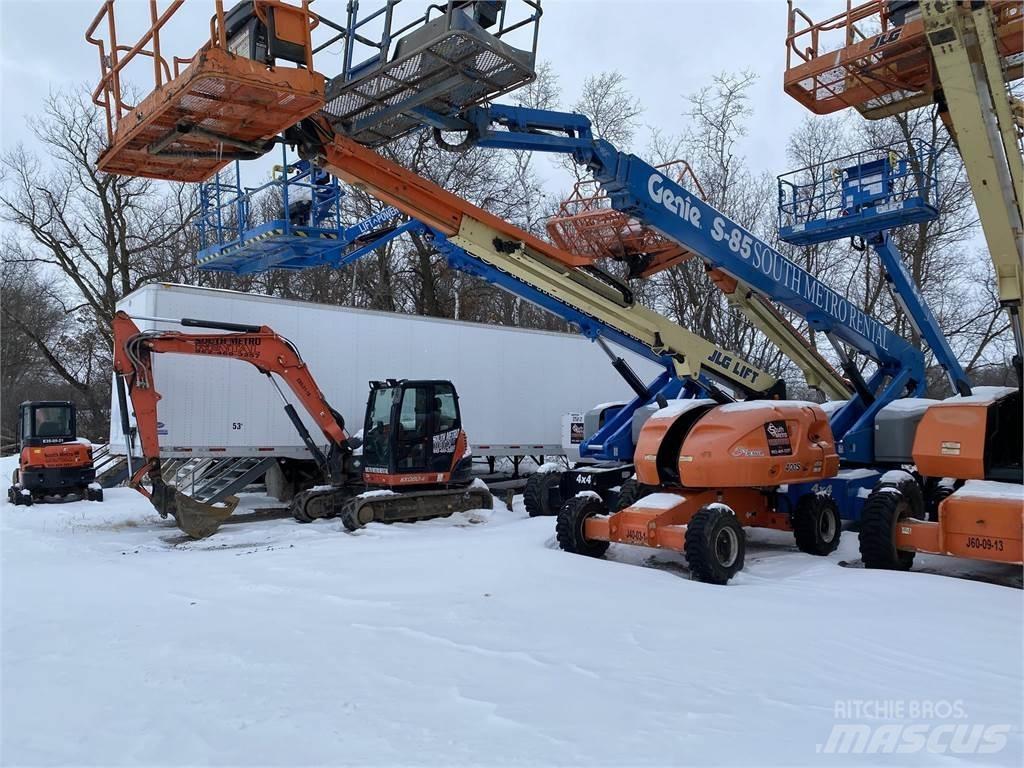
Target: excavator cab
point(52, 462)
point(413, 434)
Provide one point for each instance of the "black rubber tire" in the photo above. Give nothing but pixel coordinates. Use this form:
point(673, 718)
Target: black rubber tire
point(709, 529)
point(630, 492)
point(934, 499)
point(94, 494)
point(817, 525)
point(569, 526)
point(911, 490)
point(882, 512)
point(538, 492)
point(12, 496)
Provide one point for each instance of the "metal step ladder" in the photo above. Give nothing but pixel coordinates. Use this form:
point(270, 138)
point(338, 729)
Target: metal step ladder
point(111, 469)
point(210, 480)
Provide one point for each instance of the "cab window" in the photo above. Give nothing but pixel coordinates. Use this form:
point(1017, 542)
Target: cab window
point(447, 409)
point(52, 421)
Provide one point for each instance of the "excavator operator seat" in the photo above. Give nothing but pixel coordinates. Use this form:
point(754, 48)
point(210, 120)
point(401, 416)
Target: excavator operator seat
point(432, 69)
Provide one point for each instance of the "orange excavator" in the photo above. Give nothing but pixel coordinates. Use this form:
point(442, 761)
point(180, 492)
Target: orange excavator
point(412, 463)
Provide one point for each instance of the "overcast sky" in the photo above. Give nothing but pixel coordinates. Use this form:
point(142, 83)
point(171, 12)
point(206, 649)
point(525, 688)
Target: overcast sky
point(665, 48)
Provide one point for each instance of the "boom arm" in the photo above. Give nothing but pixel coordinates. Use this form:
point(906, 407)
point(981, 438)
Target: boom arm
point(634, 187)
point(571, 279)
point(257, 345)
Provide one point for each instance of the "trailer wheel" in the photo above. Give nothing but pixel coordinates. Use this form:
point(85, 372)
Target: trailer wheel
point(715, 544)
point(542, 495)
point(94, 494)
point(817, 525)
point(883, 510)
point(569, 526)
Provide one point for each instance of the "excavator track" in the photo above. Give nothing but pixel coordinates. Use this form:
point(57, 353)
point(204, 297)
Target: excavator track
point(318, 503)
point(409, 506)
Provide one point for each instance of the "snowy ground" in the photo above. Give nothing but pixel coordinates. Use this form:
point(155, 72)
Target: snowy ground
point(475, 641)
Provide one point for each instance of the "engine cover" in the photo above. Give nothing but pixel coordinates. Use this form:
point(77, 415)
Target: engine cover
point(758, 444)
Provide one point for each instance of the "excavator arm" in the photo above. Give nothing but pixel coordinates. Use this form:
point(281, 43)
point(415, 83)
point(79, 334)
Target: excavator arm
point(257, 345)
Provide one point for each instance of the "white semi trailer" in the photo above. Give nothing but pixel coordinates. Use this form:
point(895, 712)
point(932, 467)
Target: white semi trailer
point(516, 387)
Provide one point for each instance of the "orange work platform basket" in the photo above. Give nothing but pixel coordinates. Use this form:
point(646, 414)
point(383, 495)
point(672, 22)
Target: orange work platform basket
point(586, 225)
point(875, 57)
point(226, 102)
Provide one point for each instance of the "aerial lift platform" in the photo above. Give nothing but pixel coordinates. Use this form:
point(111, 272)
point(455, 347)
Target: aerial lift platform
point(233, 238)
point(211, 108)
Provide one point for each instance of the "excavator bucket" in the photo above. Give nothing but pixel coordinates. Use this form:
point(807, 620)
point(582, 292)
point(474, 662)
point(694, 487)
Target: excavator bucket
point(196, 519)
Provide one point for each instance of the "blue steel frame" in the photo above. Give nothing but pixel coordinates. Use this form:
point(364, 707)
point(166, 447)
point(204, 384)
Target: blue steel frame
point(858, 194)
point(865, 194)
point(614, 440)
point(230, 243)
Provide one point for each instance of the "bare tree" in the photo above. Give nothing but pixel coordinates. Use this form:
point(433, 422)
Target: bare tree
point(97, 236)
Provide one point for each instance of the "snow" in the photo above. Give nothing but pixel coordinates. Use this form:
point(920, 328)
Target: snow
point(658, 501)
point(678, 407)
point(468, 641)
point(981, 395)
point(548, 467)
point(990, 489)
point(831, 406)
point(755, 405)
point(376, 493)
point(896, 476)
point(909, 405)
point(95, 487)
point(606, 406)
point(589, 495)
point(856, 474)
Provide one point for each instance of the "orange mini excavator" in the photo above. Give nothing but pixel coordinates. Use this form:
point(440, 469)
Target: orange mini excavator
point(53, 462)
point(415, 461)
